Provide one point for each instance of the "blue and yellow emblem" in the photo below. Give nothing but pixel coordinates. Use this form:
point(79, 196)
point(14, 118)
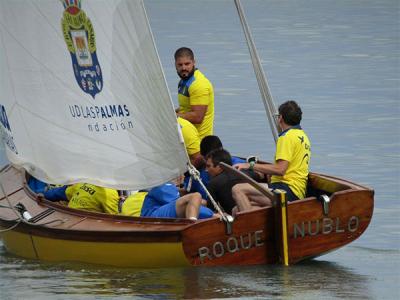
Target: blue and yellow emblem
point(80, 39)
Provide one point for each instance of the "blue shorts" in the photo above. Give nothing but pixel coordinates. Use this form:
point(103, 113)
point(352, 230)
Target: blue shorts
point(205, 212)
point(290, 196)
point(169, 211)
point(166, 211)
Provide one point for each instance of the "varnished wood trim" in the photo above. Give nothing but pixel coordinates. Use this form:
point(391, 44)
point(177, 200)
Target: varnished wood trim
point(96, 235)
point(12, 193)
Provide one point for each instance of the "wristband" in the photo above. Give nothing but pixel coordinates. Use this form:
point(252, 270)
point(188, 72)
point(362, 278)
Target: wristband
point(252, 163)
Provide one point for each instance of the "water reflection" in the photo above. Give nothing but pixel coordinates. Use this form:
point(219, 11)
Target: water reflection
point(311, 280)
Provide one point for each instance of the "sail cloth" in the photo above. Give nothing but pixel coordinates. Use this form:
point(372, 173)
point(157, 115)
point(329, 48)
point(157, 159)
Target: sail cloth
point(83, 94)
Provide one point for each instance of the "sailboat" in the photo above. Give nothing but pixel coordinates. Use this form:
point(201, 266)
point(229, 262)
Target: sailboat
point(84, 99)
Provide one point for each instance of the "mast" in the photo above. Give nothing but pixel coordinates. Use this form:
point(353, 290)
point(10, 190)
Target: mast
point(266, 96)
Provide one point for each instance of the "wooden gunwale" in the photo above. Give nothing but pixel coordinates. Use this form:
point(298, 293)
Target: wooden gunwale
point(96, 235)
point(316, 178)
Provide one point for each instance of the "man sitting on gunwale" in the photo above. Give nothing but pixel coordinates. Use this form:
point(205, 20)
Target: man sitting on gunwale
point(289, 172)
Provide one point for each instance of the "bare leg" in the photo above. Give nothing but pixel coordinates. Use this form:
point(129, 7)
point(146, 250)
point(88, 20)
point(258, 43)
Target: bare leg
point(235, 210)
point(193, 206)
point(247, 197)
point(259, 199)
point(239, 194)
point(188, 206)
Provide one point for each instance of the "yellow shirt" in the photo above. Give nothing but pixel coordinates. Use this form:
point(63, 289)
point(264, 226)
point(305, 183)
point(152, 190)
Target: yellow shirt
point(133, 204)
point(198, 90)
point(190, 136)
point(93, 198)
point(294, 146)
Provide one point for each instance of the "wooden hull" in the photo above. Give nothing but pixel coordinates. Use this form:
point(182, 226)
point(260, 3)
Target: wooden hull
point(59, 233)
point(311, 233)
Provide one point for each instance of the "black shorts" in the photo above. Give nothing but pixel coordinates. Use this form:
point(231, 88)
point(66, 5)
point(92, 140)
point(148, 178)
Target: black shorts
point(290, 196)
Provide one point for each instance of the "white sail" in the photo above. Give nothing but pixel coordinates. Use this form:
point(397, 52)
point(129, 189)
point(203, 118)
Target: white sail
point(83, 96)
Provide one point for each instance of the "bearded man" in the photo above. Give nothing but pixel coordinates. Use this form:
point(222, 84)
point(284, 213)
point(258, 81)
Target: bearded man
point(195, 93)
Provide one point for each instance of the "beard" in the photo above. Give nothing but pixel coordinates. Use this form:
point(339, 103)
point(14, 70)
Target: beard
point(186, 75)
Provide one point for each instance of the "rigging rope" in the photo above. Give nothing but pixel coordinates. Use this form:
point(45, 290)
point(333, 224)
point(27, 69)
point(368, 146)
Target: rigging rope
point(19, 218)
point(194, 173)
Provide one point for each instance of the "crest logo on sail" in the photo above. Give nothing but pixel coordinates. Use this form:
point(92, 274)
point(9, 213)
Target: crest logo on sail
point(80, 39)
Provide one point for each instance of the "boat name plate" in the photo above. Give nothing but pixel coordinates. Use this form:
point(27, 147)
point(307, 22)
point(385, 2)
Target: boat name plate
point(231, 245)
point(325, 226)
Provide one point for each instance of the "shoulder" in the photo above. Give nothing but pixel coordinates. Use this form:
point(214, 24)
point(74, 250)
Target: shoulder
point(291, 133)
point(302, 132)
point(220, 179)
point(297, 134)
point(198, 74)
point(200, 80)
point(292, 139)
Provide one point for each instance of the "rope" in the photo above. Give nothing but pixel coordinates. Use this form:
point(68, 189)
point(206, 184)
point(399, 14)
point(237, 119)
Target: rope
point(12, 227)
point(19, 218)
point(259, 72)
point(195, 174)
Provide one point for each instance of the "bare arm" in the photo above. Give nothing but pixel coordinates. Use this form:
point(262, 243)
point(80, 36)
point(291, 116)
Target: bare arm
point(279, 168)
point(195, 115)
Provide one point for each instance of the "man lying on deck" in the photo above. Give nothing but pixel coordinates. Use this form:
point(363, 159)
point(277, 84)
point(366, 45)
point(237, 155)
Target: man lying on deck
point(92, 198)
point(164, 202)
point(85, 196)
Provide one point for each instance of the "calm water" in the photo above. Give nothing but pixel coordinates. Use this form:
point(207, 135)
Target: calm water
point(340, 60)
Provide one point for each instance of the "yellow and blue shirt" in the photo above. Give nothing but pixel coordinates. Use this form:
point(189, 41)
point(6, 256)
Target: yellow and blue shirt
point(198, 90)
point(93, 198)
point(294, 146)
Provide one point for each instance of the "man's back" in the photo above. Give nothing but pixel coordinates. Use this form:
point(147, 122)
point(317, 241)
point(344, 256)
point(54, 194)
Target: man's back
point(220, 187)
point(93, 198)
point(294, 146)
